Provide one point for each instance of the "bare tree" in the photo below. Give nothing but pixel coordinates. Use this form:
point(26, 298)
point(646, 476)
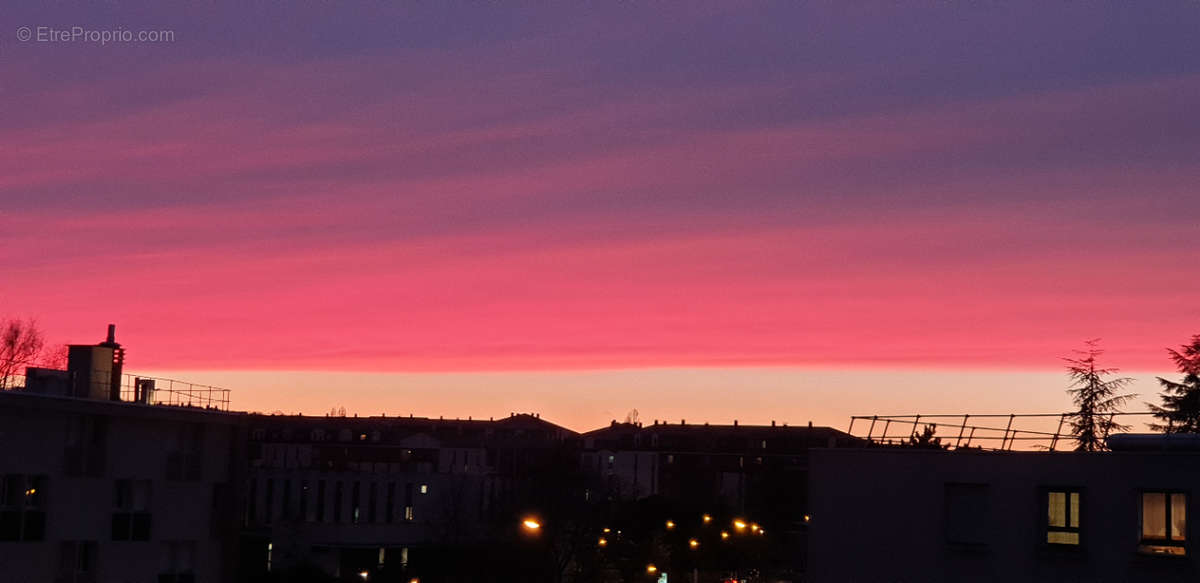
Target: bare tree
point(21, 345)
point(1181, 400)
point(1095, 393)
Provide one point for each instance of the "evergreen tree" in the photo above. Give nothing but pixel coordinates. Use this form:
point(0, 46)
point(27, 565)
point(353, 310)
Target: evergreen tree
point(1095, 393)
point(1181, 400)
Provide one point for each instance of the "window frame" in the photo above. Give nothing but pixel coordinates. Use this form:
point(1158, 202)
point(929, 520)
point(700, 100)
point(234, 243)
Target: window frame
point(1149, 546)
point(1044, 514)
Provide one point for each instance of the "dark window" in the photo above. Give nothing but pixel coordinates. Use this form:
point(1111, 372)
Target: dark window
point(184, 453)
point(252, 501)
point(131, 510)
point(286, 512)
point(372, 502)
point(337, 501)
point(390, 509)
point(269, 502)
point(179, 562)
point(320, 500)
point(84, 453)
point(76, 561)
point(23, 507)
point(304, 500)
point(1063, 516)
point(355, 499)
point(1163, 523)
point(968, 514)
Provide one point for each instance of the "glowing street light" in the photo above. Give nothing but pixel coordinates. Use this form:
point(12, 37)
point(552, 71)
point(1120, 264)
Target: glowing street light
point(670, 524)
point(724, 535)
point(603, 542)
point(739, 525)
point(531, 524)
point(707, 518)
point(651, 568)
point(364, 574)
point(693, 544)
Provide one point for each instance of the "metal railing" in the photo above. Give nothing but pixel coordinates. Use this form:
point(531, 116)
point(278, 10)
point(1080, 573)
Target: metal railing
point(174, 393)
point(160, 391)
point(997, 432)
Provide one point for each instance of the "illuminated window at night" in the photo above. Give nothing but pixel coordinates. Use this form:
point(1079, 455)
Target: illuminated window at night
point(424, 488)
point(408, 513)
point(22, 507)
point(1164, 523)
point(1062, 517)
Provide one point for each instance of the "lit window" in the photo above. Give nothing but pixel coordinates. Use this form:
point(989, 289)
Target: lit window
point(408, 513)
point(1062, 517)
point(424, 488)
point(1164, 523)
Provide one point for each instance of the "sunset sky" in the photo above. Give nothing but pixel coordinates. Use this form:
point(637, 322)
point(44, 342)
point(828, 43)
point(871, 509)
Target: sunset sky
point(760, 211)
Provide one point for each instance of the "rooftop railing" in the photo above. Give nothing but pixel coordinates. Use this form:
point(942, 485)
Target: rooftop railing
point(154, 391)
point(997, 432)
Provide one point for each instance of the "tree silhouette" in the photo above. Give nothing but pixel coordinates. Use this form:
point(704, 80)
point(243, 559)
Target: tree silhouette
point(1181, 400)
point(21, 345)
point(1095, 393)
point(926, 439)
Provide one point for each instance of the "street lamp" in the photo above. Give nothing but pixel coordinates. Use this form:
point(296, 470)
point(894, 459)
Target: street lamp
point(670, 524)
point(693, 544)
point(724, 535)
point(531, 524)
point(739, 524)
point(707, 518)
point(651, 569)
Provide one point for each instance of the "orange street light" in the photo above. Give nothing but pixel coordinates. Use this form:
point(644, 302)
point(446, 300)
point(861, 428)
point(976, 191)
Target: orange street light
point(707, 518)
point(724, 535)
point(739, 524)
point(531, 524)
point(603, 542)
point(693, 544)
point(651, 568)
point(670, 524)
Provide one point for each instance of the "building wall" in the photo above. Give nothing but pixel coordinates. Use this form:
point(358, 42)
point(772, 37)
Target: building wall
point(892, 514)
point(189, 523)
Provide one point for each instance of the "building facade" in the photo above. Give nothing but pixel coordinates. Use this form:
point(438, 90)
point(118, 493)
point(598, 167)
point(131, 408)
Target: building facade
point(905, 514)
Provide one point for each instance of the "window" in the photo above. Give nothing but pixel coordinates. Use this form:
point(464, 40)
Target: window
point(390, 511)
point(76, 561)
point(355, 501)
point(179, 562)
point(22, 507)
point(183, 457)
point(303, 517)
point(424, 488)
point(1062, 516)
point(968, 514)
point(320, 501)
point(337, 501)
point(1164, 523)
point(269, 502)
point(372, 504)
point(131, 510)
point(84, 453)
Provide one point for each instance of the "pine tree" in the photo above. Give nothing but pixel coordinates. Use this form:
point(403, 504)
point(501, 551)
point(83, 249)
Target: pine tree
point(1181, 400)
point(1095, 393)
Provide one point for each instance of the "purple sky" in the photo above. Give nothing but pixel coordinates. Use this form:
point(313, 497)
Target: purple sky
point(494, 187)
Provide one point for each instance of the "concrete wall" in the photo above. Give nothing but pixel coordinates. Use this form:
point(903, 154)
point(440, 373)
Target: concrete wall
point(881, 515)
